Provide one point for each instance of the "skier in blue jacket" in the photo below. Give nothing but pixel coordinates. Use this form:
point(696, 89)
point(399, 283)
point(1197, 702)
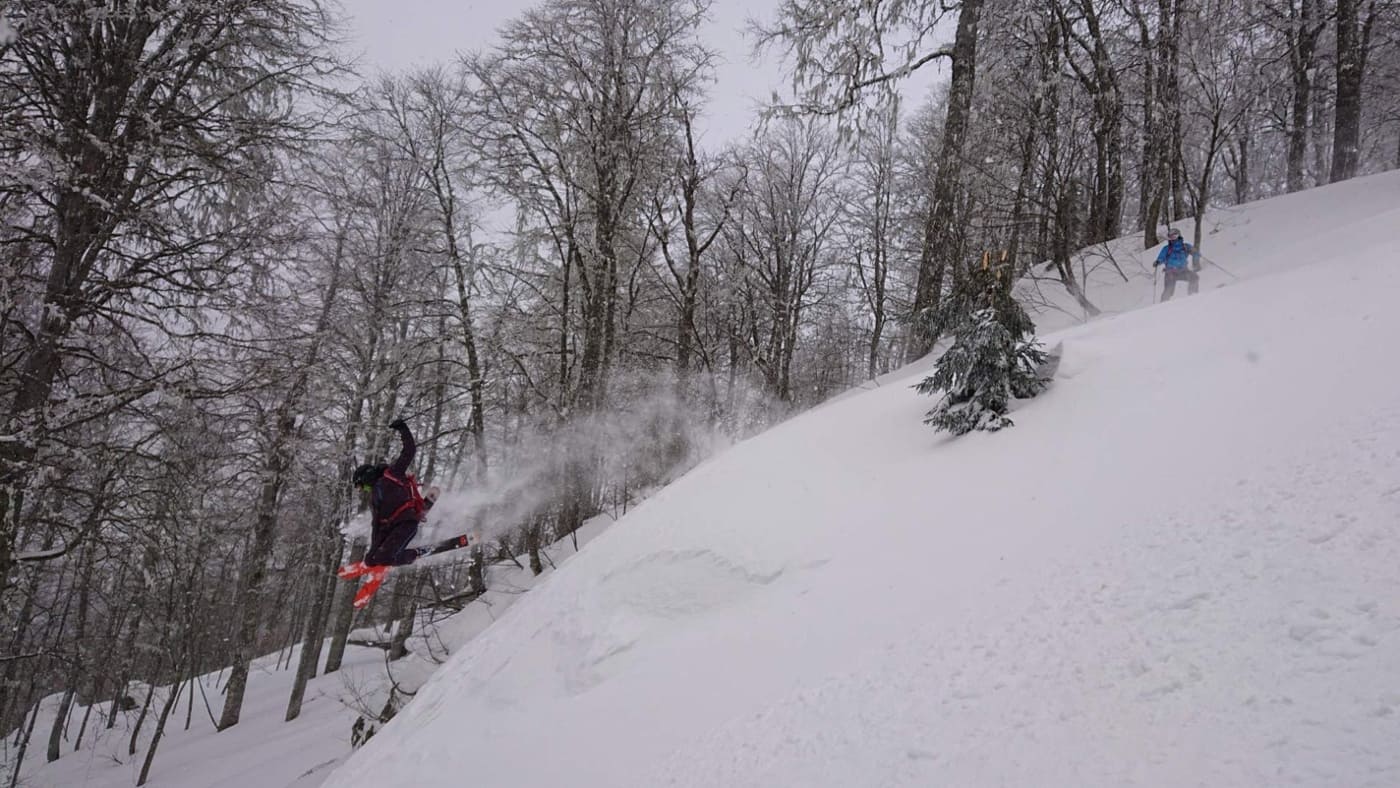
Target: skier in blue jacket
point(1173, 260)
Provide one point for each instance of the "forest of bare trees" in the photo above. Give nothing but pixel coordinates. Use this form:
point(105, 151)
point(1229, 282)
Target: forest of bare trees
point(227, 261)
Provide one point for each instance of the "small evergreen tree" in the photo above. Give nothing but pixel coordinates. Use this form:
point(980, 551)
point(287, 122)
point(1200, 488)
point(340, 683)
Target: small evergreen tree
point(993, 359)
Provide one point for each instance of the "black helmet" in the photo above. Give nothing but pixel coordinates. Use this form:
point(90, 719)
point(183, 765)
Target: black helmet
point(366, 475)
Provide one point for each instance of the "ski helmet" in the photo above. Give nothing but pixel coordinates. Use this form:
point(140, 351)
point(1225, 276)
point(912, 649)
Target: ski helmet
point(366, 475)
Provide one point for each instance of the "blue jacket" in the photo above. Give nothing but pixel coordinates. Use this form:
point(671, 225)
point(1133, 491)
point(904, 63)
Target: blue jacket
point(1175, 254)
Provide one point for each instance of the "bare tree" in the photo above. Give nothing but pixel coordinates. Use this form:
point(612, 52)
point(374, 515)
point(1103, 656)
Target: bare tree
point(873, 219)
point(679, 207)
point(779, 243)
point(122, 125)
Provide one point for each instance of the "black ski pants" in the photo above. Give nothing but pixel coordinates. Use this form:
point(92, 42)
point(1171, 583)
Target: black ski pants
point(1192, 279)
point(389, 544)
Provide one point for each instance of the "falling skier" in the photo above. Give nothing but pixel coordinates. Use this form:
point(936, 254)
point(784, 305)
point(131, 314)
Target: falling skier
point(1173, 259)
point(395, 503)
point(397, 507)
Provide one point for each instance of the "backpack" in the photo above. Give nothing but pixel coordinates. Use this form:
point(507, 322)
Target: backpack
point(414, 502)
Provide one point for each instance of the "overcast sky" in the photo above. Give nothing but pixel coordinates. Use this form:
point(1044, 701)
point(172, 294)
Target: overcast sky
point(397, 34)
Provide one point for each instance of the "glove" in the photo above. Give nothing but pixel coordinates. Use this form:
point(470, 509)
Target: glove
point(1156, 263)
point(398, 424)
point(432, 494)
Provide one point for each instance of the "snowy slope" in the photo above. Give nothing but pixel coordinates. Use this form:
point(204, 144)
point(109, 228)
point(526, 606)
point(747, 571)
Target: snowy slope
point(1178, 568)
point(1240, 242)
point(263, 749)
point(281, 754)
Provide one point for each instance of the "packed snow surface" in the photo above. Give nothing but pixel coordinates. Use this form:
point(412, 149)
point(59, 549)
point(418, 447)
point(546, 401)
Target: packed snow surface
point(1181, 566)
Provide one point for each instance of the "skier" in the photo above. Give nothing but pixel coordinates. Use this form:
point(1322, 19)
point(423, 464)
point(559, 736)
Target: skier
point(1173, 260)
point(395, 504)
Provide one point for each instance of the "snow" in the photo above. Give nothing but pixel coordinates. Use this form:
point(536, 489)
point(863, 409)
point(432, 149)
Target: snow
point(284, 754)
point(1193, 581)
point(1178, 568)
point(262, 749)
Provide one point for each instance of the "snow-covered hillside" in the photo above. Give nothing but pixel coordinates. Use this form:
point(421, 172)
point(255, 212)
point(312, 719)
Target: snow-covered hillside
point(1180, 567)
point(264, 749)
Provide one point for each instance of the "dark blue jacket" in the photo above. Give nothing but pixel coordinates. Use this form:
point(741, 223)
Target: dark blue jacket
point(387, 499)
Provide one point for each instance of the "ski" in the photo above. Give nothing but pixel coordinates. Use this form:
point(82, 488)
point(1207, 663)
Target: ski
point(452, 543)
point(376, 576)
point(352, 571)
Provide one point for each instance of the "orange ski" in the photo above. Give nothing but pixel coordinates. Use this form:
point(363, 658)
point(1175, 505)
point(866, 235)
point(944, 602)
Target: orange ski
point(354, 570)
point(375, 576)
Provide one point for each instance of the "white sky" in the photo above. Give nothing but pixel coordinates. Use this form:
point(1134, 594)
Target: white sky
point(396, 34)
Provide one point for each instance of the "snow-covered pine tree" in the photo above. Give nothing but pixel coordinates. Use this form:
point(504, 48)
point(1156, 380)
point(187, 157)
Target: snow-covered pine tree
point(994, 357)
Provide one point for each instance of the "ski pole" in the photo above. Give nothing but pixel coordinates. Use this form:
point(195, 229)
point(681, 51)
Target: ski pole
point(1221, 267)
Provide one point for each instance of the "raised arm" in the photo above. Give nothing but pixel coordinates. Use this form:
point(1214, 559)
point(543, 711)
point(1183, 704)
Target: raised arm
point(410, 448)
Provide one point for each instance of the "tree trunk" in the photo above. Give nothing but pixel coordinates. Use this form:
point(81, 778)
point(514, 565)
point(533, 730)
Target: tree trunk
point(476, 422)
point(82, 729)
point(532, 548)
point(13, 704)
point(145, 710)
point(1203, 185)
point(1177, 162)
point(59, 722)
point(250, 604)
point(1029, 137)
point(939, 231)
point(25, 737)
point(76, 235)
point(1303, 32)
point(476, 571)
point(398, 647)
point(314, 638)
point(1242, 169)
point(1149, 210)
point(1318, 135)
point(344, 613)
point(125, 652)
point(160, 730)
point(1166, 200)
point(1100, 82)
point(1353, 45)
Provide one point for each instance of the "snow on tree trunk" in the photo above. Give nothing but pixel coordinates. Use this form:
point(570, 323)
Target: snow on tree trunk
point(939, 230)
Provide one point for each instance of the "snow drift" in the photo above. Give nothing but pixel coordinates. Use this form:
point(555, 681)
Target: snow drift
point(1179, 567)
